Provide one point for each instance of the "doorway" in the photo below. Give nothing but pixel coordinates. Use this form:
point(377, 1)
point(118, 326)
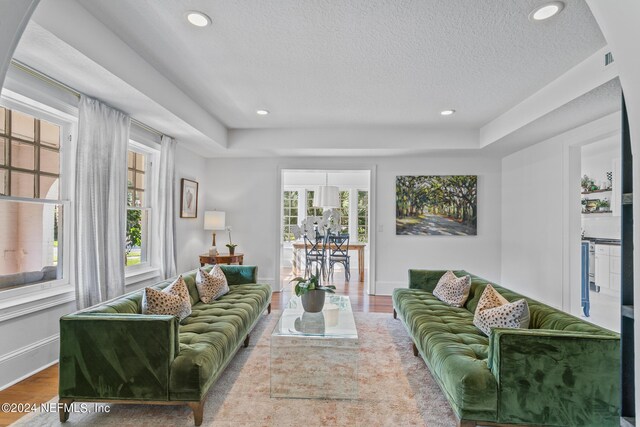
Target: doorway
point(354, 212)
point(600, 188)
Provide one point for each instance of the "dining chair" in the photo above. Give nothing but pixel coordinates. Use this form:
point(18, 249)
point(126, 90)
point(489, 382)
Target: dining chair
point(315, 251)
point(339, 254)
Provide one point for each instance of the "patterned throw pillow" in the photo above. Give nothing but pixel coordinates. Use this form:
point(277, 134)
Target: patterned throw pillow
point(453, 290)
point(494, 311)
point(173, 300)
point(211, 286)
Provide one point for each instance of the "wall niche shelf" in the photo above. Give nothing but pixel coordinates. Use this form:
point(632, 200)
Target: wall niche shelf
point(608, 190)
point(598, 213)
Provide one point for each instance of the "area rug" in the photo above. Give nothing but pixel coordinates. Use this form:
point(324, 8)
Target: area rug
point(395, 388)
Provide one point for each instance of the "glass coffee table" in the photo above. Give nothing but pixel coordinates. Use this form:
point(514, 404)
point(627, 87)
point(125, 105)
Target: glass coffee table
point(315, 355)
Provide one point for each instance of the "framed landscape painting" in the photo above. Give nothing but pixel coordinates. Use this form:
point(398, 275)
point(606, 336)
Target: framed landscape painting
point(188, 199)
point(437, 205)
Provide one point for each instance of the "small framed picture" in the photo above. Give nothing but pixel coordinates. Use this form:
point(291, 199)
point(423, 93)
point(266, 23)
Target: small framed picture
point(188, 199)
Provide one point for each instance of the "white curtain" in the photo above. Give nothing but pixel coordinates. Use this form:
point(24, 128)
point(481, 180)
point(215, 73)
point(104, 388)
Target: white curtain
point(164, 248)
point(100, 202)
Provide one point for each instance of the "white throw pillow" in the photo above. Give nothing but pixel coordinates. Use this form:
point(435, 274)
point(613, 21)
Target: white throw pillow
point(453, 290)
point(494, 311)
point(211, 286)
point(173, 300)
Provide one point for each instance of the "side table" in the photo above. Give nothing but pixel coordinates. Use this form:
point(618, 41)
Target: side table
point(221, 259)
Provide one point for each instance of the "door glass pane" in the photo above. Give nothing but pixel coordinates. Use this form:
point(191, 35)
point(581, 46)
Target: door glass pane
point(3, 125)
point(22, 184)
point(130, 198)
point(22, 155)
point(140, 180)
point(49, 188)
point(3, 151)
point(22, 126)
point(131, 159)
point(49, 134)
point(49, 161)
point(3, 182)
point(130, 178)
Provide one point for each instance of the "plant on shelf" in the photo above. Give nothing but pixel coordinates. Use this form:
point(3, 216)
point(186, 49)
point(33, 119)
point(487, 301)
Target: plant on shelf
point(312, 292)
point(604, 205)
point(588, 184)
point(231, 245)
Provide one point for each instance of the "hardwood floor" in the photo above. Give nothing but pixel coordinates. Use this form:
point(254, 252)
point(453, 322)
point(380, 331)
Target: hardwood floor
point(38, 388)
point(43, 386)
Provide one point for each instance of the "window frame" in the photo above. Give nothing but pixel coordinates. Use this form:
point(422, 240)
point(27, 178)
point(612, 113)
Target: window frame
point(149, 189)
point(68, 123)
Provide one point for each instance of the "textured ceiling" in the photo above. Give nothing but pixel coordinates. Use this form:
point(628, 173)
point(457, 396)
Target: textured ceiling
point(328, 63)
point(599, 102)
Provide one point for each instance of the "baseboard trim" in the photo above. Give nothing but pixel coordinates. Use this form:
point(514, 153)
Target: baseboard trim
point(22, 352)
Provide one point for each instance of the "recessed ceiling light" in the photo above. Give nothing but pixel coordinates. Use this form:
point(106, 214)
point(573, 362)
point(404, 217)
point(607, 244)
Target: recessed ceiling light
point(262, 112)
point(198, 19)
point(546, 11)
point(447, 112)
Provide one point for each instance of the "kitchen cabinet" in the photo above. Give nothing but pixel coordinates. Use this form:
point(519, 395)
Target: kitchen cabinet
point(607, 267)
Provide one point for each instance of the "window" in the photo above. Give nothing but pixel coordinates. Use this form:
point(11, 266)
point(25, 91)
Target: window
point(363, 216)
point(344, 212)
point(31, 212)
point(138, 210)
point(312, 211)
point(289, 215)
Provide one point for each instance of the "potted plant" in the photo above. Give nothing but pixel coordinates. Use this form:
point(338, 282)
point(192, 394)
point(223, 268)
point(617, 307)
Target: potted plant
point(231, 245)
point(312, 292)
point(604, 205)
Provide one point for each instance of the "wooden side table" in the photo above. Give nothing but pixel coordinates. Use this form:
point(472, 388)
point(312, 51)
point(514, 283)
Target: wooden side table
point(221, 259)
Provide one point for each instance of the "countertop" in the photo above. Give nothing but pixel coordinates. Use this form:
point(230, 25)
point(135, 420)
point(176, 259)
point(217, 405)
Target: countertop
point(603, 241)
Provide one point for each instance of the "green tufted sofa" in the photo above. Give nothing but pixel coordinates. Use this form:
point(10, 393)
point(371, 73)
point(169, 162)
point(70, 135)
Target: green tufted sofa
point(112, 353)
point(562, 371)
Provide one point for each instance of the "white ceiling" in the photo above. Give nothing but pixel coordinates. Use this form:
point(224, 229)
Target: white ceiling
point(341, 78)
point(354, 62)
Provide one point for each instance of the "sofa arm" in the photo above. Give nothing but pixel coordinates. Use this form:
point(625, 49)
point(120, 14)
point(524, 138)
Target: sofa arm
point(117, 356)
point(548, 377)
point(240, 274)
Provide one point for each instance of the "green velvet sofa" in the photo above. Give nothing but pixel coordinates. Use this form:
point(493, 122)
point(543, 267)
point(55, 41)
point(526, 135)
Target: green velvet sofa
point(112, 353)
point(562, 371)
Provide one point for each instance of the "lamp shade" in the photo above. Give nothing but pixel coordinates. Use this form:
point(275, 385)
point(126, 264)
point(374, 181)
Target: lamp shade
point(214, 220)
point(326, 197)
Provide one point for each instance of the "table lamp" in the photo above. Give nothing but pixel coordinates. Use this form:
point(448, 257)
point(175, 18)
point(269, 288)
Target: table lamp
point(214, 220)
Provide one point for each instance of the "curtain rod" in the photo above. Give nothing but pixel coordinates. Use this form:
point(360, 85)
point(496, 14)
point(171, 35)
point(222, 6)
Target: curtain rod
point(53, 82)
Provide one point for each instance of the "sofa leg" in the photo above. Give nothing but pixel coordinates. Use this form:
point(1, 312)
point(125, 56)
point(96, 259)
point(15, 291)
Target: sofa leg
point(63, 409)
point(395, 314)
point(246, 341)
point(415, 350)
point(269, 309)
point(198, 410)
point(465, 423)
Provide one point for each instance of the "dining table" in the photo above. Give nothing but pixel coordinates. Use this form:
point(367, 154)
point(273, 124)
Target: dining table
point(353, 246)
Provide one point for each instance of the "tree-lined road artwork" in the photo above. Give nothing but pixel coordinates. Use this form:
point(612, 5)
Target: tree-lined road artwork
point(436, 205)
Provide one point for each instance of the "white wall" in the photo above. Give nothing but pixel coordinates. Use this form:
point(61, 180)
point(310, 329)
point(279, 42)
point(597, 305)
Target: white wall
point(541, 215)
point(249, 194)
point(191, 239)
point(532, 222)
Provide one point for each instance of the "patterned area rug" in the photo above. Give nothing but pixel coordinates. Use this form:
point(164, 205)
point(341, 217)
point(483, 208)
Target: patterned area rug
point(394, 389)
